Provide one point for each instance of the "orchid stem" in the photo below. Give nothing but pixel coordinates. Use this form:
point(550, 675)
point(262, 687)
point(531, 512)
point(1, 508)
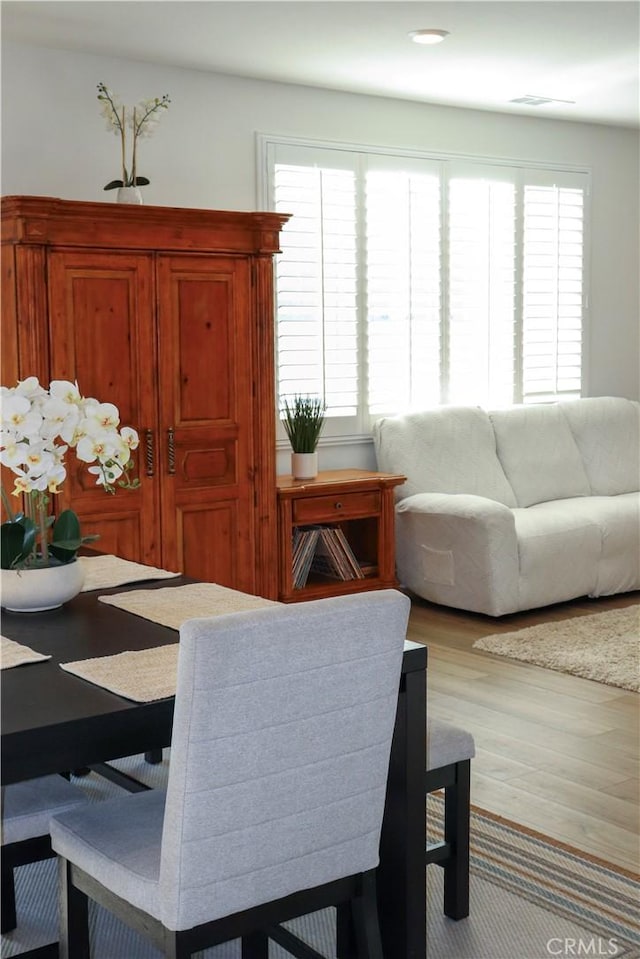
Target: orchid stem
point(42, 524)
point(133, 153)
point(122, 140)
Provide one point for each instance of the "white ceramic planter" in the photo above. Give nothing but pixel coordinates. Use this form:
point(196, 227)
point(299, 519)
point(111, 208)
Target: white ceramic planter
point(129, 194)
point(304, 465)
point(34, 590)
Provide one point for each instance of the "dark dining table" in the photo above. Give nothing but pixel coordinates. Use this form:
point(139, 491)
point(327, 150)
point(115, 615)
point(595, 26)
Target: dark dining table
point(53, 721)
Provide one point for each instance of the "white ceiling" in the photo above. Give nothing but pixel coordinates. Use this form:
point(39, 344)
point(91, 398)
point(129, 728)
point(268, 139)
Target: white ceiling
point(587, 52)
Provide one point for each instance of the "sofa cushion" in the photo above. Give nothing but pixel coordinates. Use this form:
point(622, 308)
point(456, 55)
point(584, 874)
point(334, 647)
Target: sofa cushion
point(607, 432)
point(446, 450)
point(539, 454)
point(618, 520)
point(558, 549)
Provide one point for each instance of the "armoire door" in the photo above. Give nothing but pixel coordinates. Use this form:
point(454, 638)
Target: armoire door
point(205, 322)
point(102, 335)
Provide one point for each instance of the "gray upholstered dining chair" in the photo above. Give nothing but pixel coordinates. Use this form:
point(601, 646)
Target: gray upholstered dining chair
point(26, 810)
point(279, 759)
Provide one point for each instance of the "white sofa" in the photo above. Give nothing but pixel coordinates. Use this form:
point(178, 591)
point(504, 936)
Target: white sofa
point(516, 508)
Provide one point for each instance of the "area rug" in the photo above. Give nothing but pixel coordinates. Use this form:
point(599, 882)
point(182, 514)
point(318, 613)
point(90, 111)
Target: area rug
point(531, 898)
point(553, 877)
point(604, 647)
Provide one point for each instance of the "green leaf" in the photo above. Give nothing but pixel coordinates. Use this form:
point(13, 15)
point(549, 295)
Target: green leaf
point(17, 541)
point(66, 526)
point(142, 181)
point(113, 185)
point(303, 419)
point(66, 538)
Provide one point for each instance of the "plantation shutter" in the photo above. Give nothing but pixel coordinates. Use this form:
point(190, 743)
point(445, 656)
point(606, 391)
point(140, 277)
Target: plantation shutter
point(316, 279)
point(402, 284)
point(407, 281)
point(553, 286)
point(481, 324)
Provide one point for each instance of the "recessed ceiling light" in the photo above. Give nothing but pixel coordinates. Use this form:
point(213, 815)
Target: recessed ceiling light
point(428, 36)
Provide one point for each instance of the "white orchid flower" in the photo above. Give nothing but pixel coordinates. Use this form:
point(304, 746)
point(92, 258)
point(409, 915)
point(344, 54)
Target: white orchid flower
point(30, 387)
point(19, 416)
point(107, 415)
point(129, 437)
point(39, 459)
point(99, 417)
point(60, 419)
point(65, 391)
point(14, 454)
point(110, 108)
point(55, 478)
point(21, 485)
point(96, 447)
point(39, 483)
point(106, 475)
point(122, 453)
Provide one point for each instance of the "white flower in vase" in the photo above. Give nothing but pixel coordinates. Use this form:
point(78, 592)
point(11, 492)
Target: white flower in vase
point(141, 120)
point(34, 421)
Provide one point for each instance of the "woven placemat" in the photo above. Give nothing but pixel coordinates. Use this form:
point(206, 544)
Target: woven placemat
point(104, 572)
point(15, 654)
point(142, 675)
point(172, 606)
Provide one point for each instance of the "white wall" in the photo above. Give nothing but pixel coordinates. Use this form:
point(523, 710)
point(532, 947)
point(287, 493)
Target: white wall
point(203, 154)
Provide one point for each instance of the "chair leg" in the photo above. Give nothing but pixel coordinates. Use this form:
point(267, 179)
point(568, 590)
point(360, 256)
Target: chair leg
point(456, 832)
point(8, 919)
point(365, 918)
point(74, 916)
point(177, 945)
point(255, 945)
point(346, 947)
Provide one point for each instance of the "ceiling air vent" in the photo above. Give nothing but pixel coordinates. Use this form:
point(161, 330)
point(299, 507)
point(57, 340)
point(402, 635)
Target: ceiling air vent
point(538, 101)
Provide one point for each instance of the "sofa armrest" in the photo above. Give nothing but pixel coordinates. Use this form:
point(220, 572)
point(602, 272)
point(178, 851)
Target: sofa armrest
point(459, 550)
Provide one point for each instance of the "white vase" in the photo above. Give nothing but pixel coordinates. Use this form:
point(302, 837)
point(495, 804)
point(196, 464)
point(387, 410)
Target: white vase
point(129, 194)
point(304, 465)
point(34, 590)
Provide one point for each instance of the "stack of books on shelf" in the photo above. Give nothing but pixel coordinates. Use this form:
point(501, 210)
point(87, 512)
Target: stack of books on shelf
point(324, 550)
point(304, 546)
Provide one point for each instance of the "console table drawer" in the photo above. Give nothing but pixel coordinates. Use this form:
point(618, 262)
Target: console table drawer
point(328, 509)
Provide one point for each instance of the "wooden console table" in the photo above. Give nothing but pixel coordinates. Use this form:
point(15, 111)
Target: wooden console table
point(361, 504)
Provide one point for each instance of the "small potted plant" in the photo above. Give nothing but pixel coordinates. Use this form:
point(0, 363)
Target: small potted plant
point(303, 418)
point(142, 121)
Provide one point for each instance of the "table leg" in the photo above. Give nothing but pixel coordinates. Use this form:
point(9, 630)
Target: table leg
point(402, 872)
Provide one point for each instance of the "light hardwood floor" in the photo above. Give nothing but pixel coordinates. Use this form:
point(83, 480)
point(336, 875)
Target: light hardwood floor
point(557, 753)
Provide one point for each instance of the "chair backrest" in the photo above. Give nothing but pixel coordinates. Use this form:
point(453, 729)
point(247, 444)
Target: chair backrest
point(280, 751)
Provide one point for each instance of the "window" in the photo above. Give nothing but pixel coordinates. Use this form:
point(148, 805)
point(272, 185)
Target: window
point(408, 281)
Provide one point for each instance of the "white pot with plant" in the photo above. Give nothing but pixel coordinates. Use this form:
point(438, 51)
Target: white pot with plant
point(303, 419)
point(142, 121)
point(37, 551)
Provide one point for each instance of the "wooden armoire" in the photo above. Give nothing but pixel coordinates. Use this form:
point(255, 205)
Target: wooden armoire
point(168, 313)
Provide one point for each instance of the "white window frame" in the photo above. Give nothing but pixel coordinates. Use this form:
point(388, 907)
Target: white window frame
point(536, 173)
